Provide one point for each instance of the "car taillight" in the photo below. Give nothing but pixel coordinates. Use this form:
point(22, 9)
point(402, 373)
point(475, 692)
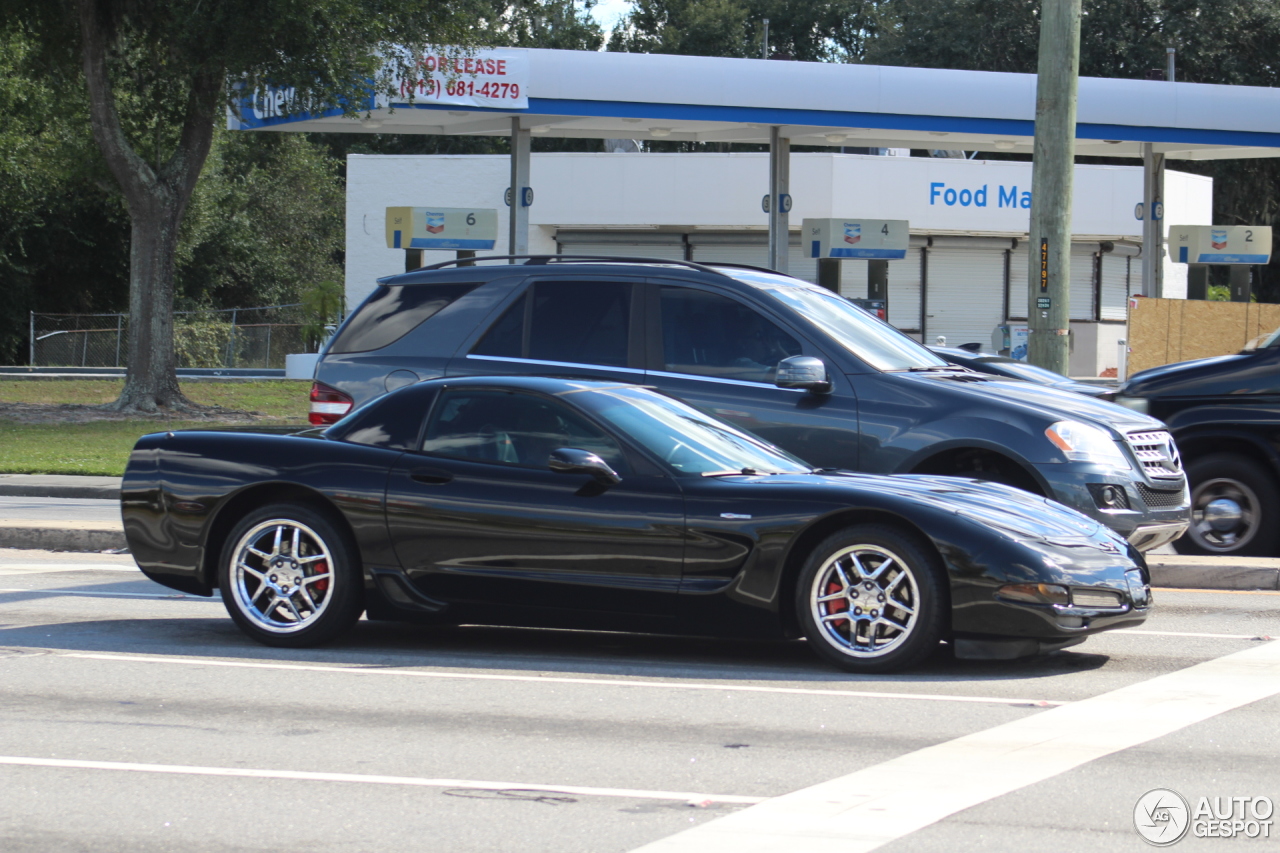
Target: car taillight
point(328, 405)
point(882, 314)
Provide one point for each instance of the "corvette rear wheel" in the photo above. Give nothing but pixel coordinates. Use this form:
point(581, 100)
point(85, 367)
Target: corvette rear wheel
point(289, 578)
point(872, 598)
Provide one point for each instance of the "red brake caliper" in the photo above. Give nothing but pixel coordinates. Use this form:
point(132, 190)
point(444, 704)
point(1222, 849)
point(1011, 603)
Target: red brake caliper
point(837, 606)
point(320, 568)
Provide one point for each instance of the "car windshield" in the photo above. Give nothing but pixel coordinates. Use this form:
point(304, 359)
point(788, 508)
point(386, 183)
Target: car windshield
point(1267, 341)
point(875, 342)
point(683, 437)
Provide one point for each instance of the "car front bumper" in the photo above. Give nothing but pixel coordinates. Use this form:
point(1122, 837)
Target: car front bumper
point(1154, 517)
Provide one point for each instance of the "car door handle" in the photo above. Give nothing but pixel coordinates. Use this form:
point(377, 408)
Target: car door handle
point(431, 476)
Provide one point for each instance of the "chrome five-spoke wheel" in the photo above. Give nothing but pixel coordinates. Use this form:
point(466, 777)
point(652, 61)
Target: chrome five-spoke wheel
point(288, 577)
point(865, 600)
point(872, 598)
point(283, 574)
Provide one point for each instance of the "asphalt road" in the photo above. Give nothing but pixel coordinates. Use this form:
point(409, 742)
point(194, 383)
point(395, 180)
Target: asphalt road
point(138, 719)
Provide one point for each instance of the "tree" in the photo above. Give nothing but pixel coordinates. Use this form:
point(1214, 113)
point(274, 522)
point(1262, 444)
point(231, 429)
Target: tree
point(158, 75)
point(806, 30)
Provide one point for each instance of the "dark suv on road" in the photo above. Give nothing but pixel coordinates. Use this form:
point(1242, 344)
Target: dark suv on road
point(786, 359)
point(1225, 414)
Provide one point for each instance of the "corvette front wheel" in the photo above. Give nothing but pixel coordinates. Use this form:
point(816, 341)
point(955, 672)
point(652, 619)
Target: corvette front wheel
point(873, 598)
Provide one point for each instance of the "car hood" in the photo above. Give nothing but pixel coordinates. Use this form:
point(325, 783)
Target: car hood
point(1050, 402)
point(1014, 512)
point(1157, 379)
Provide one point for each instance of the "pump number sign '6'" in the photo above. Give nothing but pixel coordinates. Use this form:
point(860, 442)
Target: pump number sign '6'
point(441, 228)
point(872, 239)
point(1220, 244)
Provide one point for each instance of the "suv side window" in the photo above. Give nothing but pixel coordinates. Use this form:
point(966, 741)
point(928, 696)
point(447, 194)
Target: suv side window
point(576, 322)
point(707, 334)
point(394, 311)
point(517, 429)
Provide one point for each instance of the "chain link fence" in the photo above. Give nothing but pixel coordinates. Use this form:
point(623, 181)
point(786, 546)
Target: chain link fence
point(232, 337)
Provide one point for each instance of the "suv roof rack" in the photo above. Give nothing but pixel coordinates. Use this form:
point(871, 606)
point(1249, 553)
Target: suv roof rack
point(537, 260)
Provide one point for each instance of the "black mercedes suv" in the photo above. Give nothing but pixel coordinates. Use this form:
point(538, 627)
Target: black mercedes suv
point(786, 359)
point(1225, 414)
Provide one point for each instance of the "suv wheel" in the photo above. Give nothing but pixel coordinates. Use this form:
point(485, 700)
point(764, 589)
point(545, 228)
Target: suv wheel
point(1235, 508)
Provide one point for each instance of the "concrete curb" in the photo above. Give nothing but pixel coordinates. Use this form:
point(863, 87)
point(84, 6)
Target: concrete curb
point(50, 538)
point(22, 490)
point(1233, 573)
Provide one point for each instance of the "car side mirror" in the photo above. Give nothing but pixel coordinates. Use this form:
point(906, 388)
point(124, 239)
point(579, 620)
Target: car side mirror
point(803, 371)
point(572, 460)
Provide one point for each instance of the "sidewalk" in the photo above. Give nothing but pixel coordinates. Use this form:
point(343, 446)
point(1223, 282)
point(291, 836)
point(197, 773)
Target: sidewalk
point(47, 526)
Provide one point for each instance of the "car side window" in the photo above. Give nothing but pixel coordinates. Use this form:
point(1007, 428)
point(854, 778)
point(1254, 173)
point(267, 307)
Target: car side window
point(707, 334)
point(392, 421)
point(576, 322)
point(512, 428)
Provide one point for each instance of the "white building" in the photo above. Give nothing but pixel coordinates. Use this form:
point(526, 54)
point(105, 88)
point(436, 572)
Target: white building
point(965, 273)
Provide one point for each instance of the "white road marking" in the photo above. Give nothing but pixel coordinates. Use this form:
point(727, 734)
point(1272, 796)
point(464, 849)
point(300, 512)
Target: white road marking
point(880, 804)
point(51, 568)
point(305, 776)
point(1191, 634)
point(595, 682)
point(55, 591)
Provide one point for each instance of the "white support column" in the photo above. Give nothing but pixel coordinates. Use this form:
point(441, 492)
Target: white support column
point(779, 199)
point(1152, 228)
point(520, 192)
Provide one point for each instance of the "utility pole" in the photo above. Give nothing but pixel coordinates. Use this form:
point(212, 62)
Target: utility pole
point(1057, 75)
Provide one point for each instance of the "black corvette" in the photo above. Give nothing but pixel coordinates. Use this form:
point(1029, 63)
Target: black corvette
point(548, 502)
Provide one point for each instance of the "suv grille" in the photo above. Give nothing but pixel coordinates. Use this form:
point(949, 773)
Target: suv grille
point(1162, 498)
point(1157, 454)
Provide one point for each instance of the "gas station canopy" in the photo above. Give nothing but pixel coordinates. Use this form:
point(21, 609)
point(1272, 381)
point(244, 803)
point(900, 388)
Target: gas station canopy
point(705, 99)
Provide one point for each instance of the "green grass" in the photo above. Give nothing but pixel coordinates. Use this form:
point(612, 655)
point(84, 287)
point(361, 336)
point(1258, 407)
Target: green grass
point(102, 447)
point(283, 399)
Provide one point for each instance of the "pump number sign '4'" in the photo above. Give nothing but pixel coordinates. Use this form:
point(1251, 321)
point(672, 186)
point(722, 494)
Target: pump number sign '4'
point(441, 228)
point(871, 239)
point(1220, 244)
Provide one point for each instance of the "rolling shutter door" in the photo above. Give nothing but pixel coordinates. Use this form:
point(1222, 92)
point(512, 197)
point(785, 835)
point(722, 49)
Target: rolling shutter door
point(667, 251)
point(755, 254)
point(1083, 274)
point(1018, 260)
point(904, 291)
point(1082, 283)
point(853, 278)
point(1115, 287)
point(966, 289)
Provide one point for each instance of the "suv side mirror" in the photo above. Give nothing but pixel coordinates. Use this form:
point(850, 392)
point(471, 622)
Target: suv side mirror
point(803, 371)
point(571, 460)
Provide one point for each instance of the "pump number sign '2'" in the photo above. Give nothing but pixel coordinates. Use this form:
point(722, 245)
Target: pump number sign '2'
point(871, 239)
point(441, 228)
point(1220, 244)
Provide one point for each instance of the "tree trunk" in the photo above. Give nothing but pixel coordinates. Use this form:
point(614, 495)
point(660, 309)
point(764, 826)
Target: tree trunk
point(156, 198)
point(152, 381)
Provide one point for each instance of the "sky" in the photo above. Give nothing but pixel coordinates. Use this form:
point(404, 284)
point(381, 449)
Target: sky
point(607, 12)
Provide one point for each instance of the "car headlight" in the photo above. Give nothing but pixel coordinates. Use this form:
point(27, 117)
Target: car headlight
point(1083, 443)
point(1138, 404)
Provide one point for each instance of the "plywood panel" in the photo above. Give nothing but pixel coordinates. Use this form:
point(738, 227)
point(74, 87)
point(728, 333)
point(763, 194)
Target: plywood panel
point(1164, 331)
point(1148, 333)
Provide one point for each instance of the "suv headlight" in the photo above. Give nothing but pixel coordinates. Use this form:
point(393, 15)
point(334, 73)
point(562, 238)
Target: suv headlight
point(1083, 443)
point(1137, 404)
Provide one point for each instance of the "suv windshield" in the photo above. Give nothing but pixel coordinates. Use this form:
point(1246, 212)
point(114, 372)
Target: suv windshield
point(683, 437)
point(875, 342)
